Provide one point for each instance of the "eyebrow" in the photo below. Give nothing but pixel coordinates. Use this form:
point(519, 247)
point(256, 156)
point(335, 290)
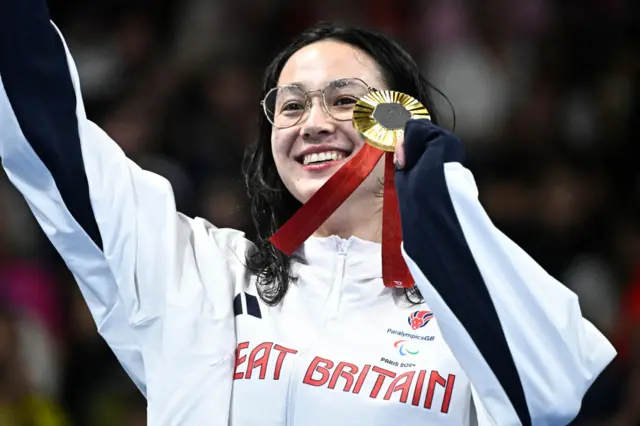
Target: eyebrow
point(303, 86)
point(295, 83)
point(299, 84)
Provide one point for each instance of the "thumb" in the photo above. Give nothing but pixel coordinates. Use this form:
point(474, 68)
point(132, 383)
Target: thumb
point(398, 155)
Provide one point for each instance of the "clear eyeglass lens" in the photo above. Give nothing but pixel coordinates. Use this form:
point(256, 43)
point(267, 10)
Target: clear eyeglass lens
point(286, 105)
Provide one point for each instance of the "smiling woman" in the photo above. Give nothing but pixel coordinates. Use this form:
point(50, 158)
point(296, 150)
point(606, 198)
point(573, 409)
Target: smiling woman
point(315, 66)
point(310, 90)
point(218, 330)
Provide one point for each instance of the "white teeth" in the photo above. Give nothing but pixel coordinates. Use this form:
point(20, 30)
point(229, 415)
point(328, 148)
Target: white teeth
point(322, 156)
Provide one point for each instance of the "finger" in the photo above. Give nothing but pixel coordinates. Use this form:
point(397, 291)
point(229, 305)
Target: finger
point(399, 157)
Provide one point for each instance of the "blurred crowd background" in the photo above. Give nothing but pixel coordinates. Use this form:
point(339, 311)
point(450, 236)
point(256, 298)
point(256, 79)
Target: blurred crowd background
point(545, 95)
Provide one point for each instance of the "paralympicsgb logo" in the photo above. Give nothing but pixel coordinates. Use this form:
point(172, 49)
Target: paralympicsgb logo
point(405, 348)
point(419, 319)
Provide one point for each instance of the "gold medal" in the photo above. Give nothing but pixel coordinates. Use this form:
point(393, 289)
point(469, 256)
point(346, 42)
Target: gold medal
point(380, 117)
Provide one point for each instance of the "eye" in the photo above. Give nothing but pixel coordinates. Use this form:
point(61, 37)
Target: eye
point(345, 101)
point(292, 107)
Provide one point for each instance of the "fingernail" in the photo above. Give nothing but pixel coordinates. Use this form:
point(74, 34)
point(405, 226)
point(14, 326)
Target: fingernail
point(398, 165)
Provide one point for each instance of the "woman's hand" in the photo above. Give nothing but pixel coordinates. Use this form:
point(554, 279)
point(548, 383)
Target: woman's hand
point(398, 157)
point(419, 133)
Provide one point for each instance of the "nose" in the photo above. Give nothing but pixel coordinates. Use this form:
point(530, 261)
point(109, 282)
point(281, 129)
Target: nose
point(318, 122)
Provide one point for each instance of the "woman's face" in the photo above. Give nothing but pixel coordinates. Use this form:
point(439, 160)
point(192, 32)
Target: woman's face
point(310, 152)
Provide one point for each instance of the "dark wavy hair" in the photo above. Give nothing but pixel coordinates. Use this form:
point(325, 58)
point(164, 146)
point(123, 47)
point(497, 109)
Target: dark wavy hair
point(271, 203)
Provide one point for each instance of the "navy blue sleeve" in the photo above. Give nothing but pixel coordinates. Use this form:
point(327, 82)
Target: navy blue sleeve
point(434, 239)
point(517, 332)
point(36, 79)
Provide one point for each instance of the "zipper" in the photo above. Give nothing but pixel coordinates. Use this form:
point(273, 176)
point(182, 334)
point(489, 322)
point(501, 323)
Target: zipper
point(332, 306)
point(343, 246)
point(293, 387)
point(334, 294)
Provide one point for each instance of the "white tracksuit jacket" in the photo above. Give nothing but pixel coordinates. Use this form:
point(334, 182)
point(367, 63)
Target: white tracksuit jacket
point(499, 343)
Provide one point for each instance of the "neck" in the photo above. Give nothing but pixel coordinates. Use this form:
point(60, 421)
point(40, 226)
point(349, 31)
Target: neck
point(360, 217)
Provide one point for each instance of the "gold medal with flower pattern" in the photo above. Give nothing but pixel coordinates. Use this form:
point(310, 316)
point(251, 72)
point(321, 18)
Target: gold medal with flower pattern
point(380, 117)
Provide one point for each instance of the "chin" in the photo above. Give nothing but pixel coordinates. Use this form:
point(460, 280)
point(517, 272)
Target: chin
point(304, 193)
point(309, 183)
point(306, 186)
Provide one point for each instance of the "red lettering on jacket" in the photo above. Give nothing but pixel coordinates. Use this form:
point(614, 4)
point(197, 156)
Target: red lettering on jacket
point(401, 383)
point(347, 375)
point(323, 370)
point(434, 379)
point(240, 360)
point(417, 393)
point(446, 401)
point(283, 353)
point(259, 358)
point(437, 379)
point(361, 378)
point(382, 374)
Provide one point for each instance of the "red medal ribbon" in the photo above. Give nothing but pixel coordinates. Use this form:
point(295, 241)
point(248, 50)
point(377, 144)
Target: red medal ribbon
point(395, 272)
point(332, 194)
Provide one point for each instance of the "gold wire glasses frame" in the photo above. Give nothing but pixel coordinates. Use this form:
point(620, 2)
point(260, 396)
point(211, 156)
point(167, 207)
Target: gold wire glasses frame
point(285, 106)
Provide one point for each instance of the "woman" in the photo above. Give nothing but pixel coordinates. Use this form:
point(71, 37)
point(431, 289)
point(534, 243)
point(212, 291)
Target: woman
point(212, 328)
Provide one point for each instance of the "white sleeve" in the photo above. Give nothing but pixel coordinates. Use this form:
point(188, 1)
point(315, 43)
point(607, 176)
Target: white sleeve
point(518, 333)
point(114, 224)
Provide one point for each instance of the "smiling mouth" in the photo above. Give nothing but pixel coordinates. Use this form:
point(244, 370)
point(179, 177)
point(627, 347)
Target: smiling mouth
point(323, 157)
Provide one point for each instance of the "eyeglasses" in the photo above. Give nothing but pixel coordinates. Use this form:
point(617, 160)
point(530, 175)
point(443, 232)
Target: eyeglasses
point(285, 106)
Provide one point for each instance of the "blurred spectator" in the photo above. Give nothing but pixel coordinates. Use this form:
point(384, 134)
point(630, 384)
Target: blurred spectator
point(30, 290)
point(20, 402)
